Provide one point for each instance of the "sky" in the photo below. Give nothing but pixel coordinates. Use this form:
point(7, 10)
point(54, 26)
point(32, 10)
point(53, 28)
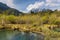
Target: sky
point(28, 5)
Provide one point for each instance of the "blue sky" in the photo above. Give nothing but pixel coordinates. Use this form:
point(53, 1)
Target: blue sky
point(27, 5)
point(22, 4)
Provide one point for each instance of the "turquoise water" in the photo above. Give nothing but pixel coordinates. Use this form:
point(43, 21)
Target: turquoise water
point(16, 35)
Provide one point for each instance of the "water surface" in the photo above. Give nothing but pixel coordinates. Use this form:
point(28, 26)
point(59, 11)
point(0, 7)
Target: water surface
point(16, 35)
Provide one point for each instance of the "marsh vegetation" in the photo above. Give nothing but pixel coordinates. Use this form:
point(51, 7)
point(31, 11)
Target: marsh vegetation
point(45, 22)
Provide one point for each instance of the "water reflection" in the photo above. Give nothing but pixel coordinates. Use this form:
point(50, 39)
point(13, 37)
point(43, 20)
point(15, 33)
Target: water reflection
point(16, 35)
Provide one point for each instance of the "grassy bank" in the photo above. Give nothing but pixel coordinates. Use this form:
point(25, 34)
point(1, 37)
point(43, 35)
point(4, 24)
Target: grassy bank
point(47, 23)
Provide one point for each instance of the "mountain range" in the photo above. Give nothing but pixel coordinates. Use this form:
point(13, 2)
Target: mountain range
point(8, 10)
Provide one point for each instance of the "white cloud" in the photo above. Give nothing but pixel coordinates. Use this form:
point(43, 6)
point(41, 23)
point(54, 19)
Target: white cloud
point(49, 3)
point(52, 1)
point(52, 4)
point(58, 0)
point(8, 2)
point(36, 5)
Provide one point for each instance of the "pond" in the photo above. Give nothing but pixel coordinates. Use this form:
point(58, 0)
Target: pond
point(16, 35)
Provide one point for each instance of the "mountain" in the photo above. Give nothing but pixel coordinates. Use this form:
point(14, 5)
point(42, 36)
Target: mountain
point(7, 10)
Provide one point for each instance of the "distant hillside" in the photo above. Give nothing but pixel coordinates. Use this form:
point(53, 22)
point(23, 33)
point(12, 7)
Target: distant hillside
point(7, 10)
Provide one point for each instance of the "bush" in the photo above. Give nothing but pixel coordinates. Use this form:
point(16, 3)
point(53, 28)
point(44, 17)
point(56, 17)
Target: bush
point(11, 19)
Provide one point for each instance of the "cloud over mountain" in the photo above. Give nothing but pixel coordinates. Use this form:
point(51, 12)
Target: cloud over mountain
point(46, 4)
point(36, 5)
point(28, 5)
point(8, 2)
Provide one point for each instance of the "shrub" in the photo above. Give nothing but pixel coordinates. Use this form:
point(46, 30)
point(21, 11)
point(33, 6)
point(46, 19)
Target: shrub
point(11, 19)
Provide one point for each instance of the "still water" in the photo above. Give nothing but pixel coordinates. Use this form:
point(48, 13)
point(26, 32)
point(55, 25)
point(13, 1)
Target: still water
point(16, 35)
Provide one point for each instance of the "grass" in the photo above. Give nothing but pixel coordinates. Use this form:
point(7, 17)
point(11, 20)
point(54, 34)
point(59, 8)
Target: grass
point(48, 25)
